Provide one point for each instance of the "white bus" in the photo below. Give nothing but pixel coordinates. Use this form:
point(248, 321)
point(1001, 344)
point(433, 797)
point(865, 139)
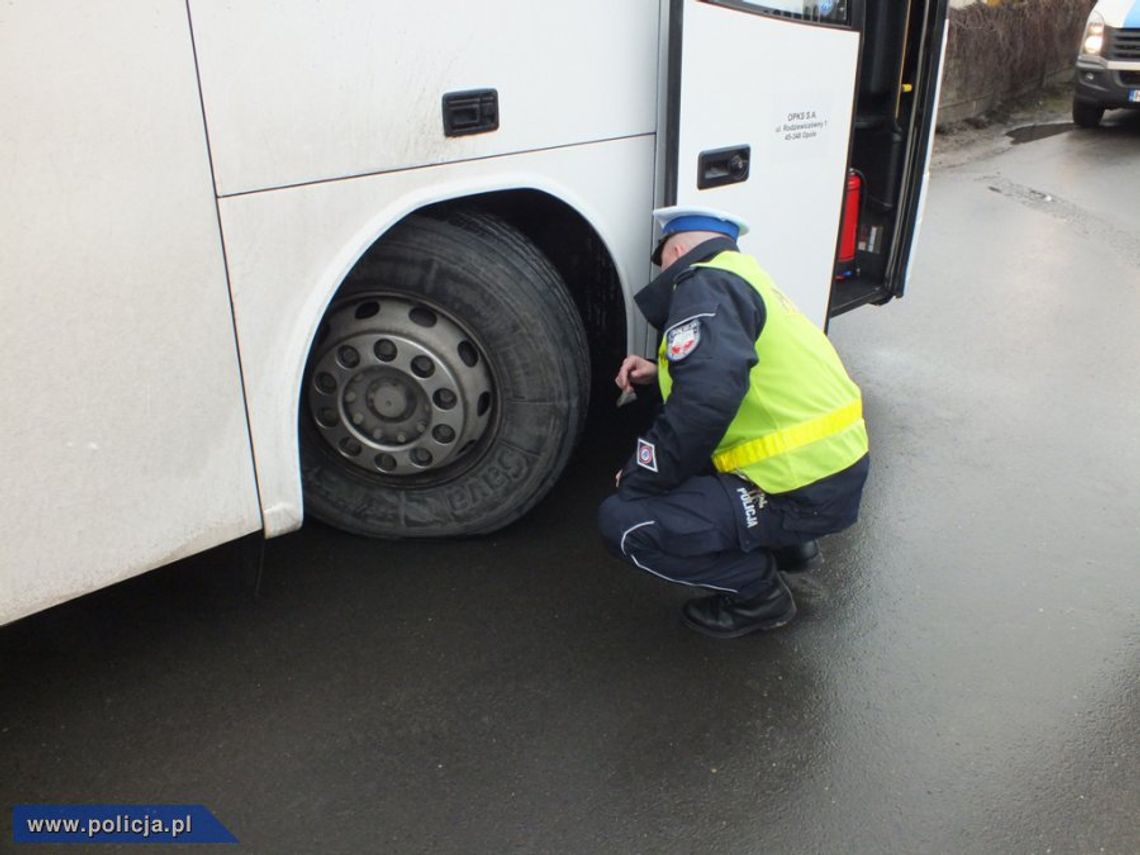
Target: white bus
point(355, 258)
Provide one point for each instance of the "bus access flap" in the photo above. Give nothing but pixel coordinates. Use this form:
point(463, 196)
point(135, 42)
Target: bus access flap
point(759, 124)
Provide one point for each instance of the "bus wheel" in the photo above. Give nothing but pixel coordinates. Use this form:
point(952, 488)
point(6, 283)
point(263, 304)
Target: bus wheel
point(447, 384)
point(1087, 114)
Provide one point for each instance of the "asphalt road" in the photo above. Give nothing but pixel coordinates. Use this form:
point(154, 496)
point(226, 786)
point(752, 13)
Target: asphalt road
point(963, 676)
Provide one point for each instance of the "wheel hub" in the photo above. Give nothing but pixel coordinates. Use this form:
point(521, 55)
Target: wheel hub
point(384, 404)
point(392, 399)
point(398, 388)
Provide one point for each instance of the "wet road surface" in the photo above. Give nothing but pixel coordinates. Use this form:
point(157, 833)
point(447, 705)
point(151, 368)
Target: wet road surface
point(963, 676)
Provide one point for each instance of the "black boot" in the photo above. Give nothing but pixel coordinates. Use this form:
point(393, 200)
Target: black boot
point(799, 558)
point(729, 616)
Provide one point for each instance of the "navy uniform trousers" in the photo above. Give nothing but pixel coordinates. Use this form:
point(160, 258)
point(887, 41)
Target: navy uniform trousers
point(713, 531)
point(720, 531)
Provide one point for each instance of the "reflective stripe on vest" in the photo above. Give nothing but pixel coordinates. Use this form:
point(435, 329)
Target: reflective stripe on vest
point(788, 439)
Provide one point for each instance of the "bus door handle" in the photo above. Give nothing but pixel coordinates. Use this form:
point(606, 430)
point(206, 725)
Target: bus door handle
point(720, 166)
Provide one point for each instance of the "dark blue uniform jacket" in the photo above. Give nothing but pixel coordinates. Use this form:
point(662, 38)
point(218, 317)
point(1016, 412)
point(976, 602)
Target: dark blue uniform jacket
point(710, 383)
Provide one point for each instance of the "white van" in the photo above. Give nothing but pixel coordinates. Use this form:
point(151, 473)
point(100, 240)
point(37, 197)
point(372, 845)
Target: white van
point(1108, 63)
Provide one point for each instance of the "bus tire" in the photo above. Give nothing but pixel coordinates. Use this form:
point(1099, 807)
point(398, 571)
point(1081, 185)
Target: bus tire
point(1086, 114)
point(447, 384)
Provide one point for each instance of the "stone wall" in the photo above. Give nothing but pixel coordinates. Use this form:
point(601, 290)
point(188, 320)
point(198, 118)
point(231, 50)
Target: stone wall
point(1000, 49)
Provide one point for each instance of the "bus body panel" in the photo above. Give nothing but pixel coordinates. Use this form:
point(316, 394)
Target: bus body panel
point(289, 250)
point(791, 102)
point(308, 91)
point(178, 173)
point(125, 443)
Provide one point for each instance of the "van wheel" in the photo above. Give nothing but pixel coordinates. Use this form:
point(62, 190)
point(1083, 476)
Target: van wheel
point(447, 384)
point(1087, 114)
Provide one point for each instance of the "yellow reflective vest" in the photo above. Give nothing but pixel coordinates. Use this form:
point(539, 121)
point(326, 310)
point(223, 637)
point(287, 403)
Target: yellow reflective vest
point(802, 417)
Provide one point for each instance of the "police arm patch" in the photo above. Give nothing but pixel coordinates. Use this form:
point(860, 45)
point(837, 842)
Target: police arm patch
point(647, 455)
point(682, 340)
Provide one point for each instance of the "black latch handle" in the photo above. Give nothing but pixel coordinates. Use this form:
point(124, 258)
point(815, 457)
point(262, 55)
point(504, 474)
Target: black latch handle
point(721, 166)
point(473, 112)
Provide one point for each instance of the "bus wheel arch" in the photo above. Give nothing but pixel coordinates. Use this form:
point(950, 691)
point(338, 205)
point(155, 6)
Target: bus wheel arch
point(382, 453)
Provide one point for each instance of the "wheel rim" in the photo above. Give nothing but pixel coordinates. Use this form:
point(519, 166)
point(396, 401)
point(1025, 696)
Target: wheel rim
point(398, 388)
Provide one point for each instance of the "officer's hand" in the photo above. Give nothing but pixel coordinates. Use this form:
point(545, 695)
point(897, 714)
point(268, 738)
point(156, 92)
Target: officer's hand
point(635, 369)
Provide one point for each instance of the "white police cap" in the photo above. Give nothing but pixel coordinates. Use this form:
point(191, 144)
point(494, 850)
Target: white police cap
point(689, 218)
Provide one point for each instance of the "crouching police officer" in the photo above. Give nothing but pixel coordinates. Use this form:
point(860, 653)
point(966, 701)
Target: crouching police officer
point(760, 447)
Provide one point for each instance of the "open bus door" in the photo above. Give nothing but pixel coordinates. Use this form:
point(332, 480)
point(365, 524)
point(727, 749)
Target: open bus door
point(798, 116)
